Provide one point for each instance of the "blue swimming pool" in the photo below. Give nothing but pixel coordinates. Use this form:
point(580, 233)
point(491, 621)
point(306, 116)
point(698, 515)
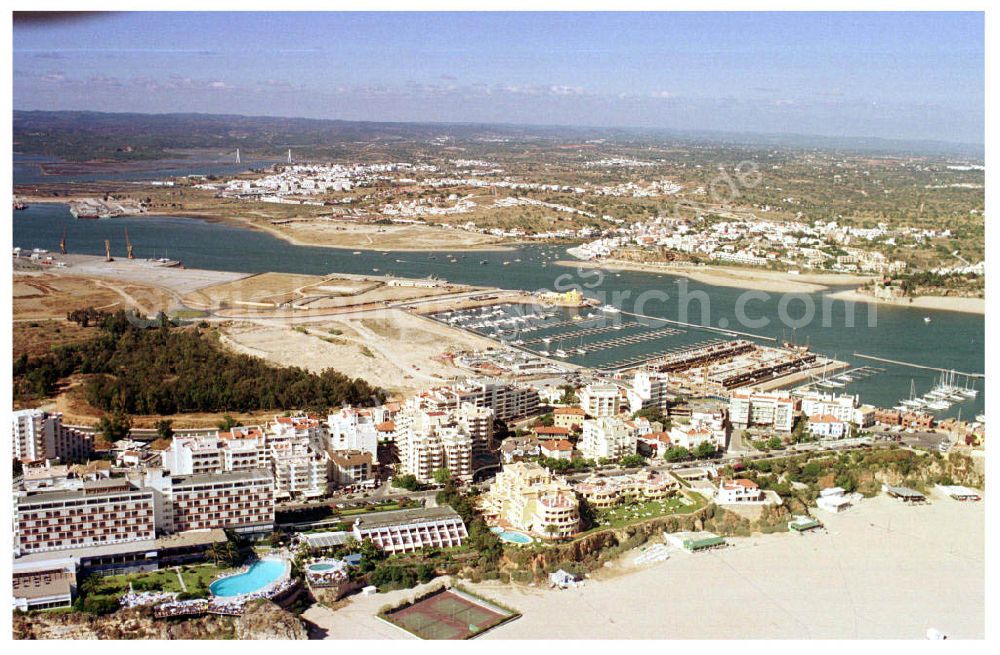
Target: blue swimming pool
point(257, 577)
point(512, 537)
point(320, 567)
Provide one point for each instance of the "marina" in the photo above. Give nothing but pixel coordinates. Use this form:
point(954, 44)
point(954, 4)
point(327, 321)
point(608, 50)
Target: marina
point(946, 393)
point(952, 340)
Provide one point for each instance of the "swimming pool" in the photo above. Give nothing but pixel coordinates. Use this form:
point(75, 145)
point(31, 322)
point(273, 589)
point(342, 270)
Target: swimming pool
point(321, 566)
point(258, 576)
point(512, 537)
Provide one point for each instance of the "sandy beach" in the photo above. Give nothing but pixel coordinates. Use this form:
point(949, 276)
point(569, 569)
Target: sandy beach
point(941, 303)
point(878, 571)
point(731, 276)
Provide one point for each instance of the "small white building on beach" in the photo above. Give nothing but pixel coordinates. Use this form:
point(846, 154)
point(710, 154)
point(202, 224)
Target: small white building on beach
point(834, 500)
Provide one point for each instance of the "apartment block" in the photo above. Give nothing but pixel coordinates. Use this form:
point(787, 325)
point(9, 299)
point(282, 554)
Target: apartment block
point(240, 500)
point(349, 468)
point(300, 429)
point(529, 497)
point(648, 391)
point(607, 437)
point(507, 400)
point(100, 513)
point(240, 449)
point(841, 406)
point(643, 486)
point(38, 435)
point(299, 472)
point(600, 399)
point(409, 530)
point(353, 429)
point(774, 410)
point(431, 441)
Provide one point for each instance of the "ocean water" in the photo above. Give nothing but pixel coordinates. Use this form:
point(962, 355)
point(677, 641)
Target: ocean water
point(950, 340)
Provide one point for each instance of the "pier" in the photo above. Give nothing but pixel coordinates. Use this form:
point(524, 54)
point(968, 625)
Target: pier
point(585, 332)
point(921, 366)
point(628, 340)
point(725, 331)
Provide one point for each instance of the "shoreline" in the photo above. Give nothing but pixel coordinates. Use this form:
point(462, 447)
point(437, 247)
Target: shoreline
point(938, 303)
point(360, 232)
point(863, 577)
point(734, 277)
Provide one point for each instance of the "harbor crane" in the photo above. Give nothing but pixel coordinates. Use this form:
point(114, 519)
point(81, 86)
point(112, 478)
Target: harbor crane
point(128, 245)
point(107, 251)
point(237, 155)
point(62, 243)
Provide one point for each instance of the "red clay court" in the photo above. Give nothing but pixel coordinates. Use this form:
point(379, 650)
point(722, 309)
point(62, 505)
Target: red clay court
point(448, 614)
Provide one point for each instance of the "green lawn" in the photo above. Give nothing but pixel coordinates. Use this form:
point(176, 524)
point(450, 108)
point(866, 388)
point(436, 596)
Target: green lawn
point(196, 577)
point(619, 517)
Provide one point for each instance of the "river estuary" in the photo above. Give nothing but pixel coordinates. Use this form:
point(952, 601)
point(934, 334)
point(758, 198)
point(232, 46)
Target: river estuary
point(949, 340)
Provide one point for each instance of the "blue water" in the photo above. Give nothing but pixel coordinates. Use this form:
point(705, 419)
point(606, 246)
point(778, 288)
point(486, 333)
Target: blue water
point(28, 170)
point(257, 577)
point(321, 567)
point(512, 537)
point(951, 340)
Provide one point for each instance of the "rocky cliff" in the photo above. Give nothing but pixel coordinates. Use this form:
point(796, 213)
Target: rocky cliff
point(263, 620)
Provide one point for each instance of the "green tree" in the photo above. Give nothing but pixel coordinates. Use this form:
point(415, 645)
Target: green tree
point(705, 449)
point(228, 423)
point(633, 461)
point(676, 454)
point(164, 428)
point(115, 426)
point(442, 476)
point(775, 442)
point(371, 555)
point(407, 481)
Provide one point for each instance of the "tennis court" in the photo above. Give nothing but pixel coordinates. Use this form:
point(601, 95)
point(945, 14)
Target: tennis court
point(448, 614)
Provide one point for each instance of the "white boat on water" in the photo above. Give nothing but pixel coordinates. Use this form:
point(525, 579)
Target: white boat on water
point(939, 405)
point(610, 309)
point(561, 353)
point(544, 353)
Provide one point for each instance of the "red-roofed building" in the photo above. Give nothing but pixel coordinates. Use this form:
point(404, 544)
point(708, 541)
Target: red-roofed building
point(653, 444)
point(568, 417)
point(556, 449)
point(550, 431)
point(739, 490)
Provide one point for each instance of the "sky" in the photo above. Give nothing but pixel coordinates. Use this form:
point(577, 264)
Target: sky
point(888, 75)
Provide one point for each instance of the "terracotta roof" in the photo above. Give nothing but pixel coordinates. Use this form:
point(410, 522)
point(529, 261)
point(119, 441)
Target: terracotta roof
point(350, 457)
point(740, 482)
point(557, 444)
point(550, 430)
point(386, 426)
point(572, 411)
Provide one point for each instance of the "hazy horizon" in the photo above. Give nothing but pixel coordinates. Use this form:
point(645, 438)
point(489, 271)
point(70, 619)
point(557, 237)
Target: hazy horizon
point(895, 76)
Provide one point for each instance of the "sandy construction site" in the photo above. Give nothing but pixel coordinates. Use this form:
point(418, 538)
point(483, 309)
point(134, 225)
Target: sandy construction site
point(335, 233)
point(389, 348)
point(880, 570)
point(286, 295)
